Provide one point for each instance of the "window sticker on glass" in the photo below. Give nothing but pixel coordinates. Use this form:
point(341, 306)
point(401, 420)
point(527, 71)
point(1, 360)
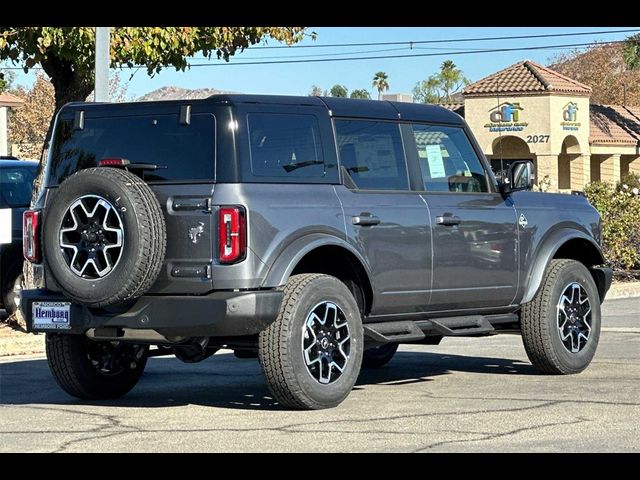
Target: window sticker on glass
point(436, 164)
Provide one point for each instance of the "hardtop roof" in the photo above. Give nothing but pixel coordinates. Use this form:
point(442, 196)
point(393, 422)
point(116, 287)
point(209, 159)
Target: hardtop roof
point(337, 107)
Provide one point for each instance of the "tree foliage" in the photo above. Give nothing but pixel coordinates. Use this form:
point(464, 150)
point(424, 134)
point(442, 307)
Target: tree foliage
point(339, 91)
point(29, 122)
point(604, 69)
point(439, 87)
point(631, 52)
point(66, 54)
point(361, 94)
point(6, 80)
point(381, 83)
point(316, 91)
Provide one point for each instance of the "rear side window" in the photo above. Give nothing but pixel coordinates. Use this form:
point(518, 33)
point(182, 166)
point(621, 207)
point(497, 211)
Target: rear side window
point(372, 153)
point(184, 152)
point(448, 161)
point(284, 145)
point(16, 184)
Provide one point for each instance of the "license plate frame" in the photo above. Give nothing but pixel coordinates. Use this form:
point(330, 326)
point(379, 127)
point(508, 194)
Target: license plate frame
point(51, 315)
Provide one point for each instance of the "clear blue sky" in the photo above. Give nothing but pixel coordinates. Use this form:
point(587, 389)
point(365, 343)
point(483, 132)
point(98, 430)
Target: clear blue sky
point(297, 79)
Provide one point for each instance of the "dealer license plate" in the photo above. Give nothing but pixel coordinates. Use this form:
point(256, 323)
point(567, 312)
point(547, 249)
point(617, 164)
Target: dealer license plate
point(51, 315)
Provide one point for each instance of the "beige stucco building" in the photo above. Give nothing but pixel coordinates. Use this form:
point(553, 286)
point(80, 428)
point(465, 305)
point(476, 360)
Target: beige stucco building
point(528, 111)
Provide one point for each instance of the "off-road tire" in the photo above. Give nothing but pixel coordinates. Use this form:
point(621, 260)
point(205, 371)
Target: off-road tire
point(72, 369)
point(540, 334)
point(144, 237)
point(379, 356)
point(280, 345)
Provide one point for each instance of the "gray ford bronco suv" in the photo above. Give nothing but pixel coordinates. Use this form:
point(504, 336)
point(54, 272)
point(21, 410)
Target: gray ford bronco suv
point(314, 233)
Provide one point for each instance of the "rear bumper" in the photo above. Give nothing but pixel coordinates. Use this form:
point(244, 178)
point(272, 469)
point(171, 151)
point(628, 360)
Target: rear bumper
point(220, 314)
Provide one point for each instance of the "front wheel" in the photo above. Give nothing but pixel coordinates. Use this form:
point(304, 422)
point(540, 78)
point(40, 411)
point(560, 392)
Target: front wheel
point(94, 370)
point(311, 354)
point(561, 325)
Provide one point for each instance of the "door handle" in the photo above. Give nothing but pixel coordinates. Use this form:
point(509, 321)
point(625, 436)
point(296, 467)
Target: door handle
point(365, 219)
point(448, 220)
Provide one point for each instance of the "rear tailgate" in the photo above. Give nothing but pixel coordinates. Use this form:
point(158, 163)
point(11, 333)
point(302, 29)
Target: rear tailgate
point(190, 235)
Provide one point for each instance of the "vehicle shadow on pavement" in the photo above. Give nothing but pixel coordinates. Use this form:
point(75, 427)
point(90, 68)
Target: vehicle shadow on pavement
point(227, 382)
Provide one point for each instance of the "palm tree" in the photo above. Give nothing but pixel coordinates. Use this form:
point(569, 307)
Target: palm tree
point(381, 82)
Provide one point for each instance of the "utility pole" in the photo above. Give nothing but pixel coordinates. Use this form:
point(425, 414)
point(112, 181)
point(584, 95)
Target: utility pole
point(102, 65)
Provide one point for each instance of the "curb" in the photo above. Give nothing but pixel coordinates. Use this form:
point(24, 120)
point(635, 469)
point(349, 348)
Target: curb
point(623, 290)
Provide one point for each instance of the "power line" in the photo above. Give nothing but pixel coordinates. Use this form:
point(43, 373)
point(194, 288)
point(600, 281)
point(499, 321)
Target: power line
point(411, 55)
point(450, 40)
point(308, 59)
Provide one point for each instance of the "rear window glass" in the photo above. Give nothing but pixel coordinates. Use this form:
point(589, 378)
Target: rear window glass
point(184, 152)
point(285, 145)
point(16, 184)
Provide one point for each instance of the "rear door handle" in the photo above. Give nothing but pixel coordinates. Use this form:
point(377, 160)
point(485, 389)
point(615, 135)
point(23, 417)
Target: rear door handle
point(365, 220)
point(448, 220)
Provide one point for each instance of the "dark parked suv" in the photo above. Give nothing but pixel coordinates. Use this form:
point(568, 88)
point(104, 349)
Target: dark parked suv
point(314, 233)
point(16, 185)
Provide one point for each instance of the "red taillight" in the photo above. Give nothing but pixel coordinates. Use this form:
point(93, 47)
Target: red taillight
point(232, 238)
point(113, 162)
point(31, 235)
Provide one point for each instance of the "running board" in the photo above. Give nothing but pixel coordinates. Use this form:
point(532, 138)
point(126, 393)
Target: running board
point(459, 326)
point(412, 331)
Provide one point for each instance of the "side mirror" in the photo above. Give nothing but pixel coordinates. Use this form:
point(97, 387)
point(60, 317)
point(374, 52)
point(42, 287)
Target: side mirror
point(520, 176)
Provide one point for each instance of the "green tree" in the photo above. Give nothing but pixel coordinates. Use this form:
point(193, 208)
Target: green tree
point(66, 54)
point(427, 91)
point(452, 79)
point(439, 87)
point(339, 91)
point(631, 52)
point(381, 83)
point(6, 80)
point(362, 94)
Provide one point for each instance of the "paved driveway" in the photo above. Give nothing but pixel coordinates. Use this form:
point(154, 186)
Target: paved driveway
point(465, 394)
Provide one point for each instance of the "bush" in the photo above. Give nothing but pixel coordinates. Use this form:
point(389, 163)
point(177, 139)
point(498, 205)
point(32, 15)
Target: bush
point(620, 211)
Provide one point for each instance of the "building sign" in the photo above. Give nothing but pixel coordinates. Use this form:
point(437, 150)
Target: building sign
point(570, 117)
point(506, 118)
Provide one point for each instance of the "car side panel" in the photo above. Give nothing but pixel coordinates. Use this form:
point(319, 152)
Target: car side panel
point(551, 220)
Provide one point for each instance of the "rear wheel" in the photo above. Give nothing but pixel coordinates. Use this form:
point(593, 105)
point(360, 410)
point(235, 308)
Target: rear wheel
point(311, 354)
point(561, 325)
point(94, 370)
point(379, 356)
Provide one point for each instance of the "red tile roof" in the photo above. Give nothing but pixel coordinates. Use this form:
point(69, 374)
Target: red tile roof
point(526, 77)
point(457, 107)
point(9, 100)
point(614, 124)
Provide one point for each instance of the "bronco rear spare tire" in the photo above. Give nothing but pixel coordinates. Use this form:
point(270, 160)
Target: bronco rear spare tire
point(104, 237)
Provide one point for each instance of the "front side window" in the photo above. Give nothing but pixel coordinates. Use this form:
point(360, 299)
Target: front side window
point(372, 154)
point(448, 161)
point(284, 145)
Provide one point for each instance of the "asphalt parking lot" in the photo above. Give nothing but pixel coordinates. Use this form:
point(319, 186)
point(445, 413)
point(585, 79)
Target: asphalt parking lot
point(463, 395)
